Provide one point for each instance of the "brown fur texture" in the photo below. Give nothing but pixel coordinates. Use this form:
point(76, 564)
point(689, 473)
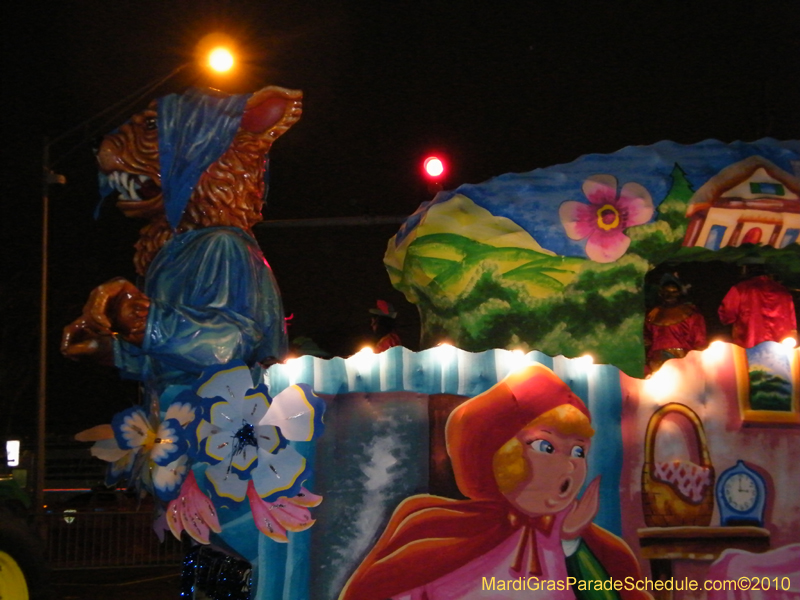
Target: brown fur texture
point(229, 193)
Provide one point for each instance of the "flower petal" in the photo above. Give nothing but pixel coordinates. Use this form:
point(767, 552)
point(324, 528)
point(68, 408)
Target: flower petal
point(108, 450)
point(291, 516)
point(269, 438)
point(579, 219)
point(169, 442)
point(298, 412)
point(225, 484)
point(264, 519)
point(607, 246)
point(184, 411)
point(131, 427)
point(194, 526)
point(230, 382)
point(94, 434)
point(279, 474)
point(635, 204)
point(121, 468)
point(217, 447)
point(160, 524)
point(226, 415)
point(255, 406)
point(205, 429)
point(200, 504)
point(600, 189)
point(167, 479)
point(192, 511)
point(305, 498)
point(174, 520)
point(243, 460)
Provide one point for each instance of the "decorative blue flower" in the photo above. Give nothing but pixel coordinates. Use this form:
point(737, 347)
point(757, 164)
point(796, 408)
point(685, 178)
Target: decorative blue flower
point(151, 453)
point(164, 441)
point(239, 431)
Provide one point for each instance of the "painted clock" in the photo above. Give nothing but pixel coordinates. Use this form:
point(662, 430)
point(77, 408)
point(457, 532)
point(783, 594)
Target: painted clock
point(741, 496)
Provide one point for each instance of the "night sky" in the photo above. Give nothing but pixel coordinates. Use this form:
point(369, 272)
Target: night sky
point(509, 87)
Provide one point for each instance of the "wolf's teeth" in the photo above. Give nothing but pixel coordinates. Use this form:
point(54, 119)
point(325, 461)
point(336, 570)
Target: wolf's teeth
point(127, 184)
point(132, 190)
point(119, 183)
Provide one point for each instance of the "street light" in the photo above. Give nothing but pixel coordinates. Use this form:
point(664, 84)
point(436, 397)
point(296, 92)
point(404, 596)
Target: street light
point(217, 51)
point(212, 51)
point(220, 59)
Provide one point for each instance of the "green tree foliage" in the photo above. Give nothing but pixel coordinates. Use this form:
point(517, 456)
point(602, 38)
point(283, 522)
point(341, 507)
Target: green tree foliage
point(592, 312)
point(769, 391)
point(658, 241)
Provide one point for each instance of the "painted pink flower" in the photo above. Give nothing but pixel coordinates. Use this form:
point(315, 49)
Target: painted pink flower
point(602, 221)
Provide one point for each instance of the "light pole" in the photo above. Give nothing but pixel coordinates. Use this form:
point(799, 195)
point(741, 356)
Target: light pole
point(221, 64)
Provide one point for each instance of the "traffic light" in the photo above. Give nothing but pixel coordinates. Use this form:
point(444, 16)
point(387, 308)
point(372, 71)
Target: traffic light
point(433, 168)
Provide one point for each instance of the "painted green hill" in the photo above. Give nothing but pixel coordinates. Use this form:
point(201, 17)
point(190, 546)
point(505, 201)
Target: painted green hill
point(479, 296)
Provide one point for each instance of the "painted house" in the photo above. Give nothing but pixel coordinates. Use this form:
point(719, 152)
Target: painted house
point(750, 202)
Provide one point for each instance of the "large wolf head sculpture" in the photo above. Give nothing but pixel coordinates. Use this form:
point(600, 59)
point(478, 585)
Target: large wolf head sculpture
point(194, 160)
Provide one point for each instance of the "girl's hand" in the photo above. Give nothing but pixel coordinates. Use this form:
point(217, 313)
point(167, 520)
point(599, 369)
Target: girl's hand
point(583, 511)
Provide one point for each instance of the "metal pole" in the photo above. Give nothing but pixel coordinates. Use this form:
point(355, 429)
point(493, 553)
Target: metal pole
point(42, 400)
point(49, 177)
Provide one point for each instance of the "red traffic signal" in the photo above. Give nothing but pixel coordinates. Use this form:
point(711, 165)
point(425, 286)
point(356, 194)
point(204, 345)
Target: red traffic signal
point(433, 167)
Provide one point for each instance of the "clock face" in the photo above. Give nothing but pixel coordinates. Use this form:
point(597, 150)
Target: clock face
point(741, 492)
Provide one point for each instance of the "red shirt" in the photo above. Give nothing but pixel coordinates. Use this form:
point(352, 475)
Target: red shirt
point(760, 310)
point(674, 327)
point(388, 341)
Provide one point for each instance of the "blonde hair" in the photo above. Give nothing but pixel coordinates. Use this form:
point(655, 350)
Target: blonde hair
point(508, 463)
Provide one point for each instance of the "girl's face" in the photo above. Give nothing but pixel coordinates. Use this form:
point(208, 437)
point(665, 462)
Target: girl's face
point(558, 469)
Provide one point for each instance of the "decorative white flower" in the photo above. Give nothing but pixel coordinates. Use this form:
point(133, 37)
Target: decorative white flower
point(244, 434)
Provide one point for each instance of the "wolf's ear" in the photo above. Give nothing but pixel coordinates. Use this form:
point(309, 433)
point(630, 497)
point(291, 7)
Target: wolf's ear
point(271, 111)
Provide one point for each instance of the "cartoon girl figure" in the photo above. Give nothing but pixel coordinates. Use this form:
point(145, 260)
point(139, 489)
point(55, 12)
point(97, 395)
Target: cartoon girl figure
point(519, 454)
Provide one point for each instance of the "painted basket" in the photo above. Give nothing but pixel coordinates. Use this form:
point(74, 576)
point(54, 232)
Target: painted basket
point(677, 494)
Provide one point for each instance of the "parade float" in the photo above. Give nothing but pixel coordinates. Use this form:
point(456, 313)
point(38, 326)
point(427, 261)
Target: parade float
point(315, 479)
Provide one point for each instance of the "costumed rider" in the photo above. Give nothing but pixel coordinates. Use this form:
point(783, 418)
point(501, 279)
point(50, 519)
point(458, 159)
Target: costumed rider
point(383, 323)
point(674, 327)
point(519, 455)
point(759, 308)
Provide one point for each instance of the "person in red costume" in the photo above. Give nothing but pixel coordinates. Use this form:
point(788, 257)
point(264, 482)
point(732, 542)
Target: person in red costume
point(759, 308)
point(383, 324)
point(674, 327)
point(519, 455)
